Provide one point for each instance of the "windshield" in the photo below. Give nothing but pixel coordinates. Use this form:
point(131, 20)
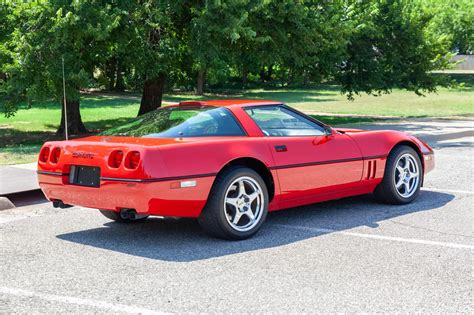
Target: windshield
point(176, 122)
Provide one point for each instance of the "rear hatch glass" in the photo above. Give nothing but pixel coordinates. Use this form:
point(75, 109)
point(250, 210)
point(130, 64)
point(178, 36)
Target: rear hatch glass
point(175, 121)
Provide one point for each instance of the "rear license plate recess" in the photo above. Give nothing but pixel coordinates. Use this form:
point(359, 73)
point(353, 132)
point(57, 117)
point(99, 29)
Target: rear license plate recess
point(88, 176)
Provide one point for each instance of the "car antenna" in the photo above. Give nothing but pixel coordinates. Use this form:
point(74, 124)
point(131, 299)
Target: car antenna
point(65, 103)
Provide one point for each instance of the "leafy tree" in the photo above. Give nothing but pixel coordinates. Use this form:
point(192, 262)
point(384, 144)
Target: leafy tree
point(391, 46)
point(166, 40)
point(294, 40)
point(149, 40)
point(366, 46)
point(454, 18)
point(46, 32)
point(215, 28)
point(309, 37)
point(6, 58)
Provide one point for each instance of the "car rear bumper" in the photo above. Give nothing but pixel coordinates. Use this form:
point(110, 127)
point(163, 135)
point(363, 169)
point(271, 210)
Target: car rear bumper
point(163, 198)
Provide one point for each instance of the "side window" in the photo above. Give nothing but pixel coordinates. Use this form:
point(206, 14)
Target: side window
point(277, 121)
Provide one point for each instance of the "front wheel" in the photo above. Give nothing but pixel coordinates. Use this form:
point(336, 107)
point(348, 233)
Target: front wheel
point(402, 179)
point(237, 205)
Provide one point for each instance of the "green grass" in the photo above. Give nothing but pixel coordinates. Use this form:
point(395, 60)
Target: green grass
point(19, 154)
point(445, 103)
point(403, 104)
point(21, 135)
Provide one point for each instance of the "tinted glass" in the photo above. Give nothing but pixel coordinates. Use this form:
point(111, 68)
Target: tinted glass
point(175, 122)
point(277, 121)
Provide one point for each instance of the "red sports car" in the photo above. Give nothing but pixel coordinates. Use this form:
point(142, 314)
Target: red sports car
point(227, 163)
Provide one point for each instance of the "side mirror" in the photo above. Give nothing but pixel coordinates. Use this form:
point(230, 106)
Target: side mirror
point(328, 131)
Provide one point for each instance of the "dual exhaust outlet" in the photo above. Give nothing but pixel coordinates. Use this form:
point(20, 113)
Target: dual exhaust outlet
point(131, 214)
point(126, 214)
point(60, 204)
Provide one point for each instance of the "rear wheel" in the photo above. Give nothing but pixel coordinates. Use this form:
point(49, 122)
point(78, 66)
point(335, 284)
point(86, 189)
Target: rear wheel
point(402, 179)
point(237, 205)
point(117, 216)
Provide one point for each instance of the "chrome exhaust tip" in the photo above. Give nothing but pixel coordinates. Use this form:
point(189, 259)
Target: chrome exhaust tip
point(60, 204)
point(131, 214)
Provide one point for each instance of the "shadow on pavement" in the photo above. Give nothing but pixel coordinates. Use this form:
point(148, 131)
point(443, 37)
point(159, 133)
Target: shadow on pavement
point(183, 240)
point(27, 198)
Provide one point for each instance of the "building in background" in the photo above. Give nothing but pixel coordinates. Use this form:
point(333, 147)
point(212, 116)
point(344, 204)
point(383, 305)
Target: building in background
point(467, 62)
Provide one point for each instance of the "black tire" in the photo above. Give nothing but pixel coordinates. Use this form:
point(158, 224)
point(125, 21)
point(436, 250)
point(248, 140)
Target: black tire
point(386, 191)
point(213, 217)
point(115, 216)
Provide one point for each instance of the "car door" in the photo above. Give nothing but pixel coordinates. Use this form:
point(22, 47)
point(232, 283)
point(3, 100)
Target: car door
point(309, 158)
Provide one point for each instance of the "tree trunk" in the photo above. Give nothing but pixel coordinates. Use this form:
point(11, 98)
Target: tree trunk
point(75, 125)
point(200, 82)
point(283, 77)
point(152, 94)
point(289, 79)
point(305, 77)
point(119, 83)
point(245, 76)
point(262, 74)
point(270, 73)
point(110, 69)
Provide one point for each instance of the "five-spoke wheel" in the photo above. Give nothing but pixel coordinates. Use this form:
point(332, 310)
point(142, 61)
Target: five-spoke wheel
point(402, 178)
point(243, 203)
point(237, 204)
point(407, 175)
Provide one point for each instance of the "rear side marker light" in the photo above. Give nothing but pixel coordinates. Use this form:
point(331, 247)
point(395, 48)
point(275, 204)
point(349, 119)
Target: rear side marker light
point(132, 160)
point(44, 155)
point(188, 183)
point(115, 159)
point(183, 184)
point(55, 155)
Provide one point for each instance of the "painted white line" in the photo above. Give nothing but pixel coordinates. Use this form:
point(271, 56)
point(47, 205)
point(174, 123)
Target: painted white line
point(455, 191)
point(379, 237)
point(121, 308)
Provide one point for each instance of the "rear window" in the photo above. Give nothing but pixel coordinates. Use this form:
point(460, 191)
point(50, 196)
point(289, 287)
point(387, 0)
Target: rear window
point(176, 122)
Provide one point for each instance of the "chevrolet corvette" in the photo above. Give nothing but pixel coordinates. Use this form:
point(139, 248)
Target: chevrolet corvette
point(228, 163)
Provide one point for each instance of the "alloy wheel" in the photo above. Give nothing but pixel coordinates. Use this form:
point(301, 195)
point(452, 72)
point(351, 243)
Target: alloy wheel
point(243, 204)
point(407, 175)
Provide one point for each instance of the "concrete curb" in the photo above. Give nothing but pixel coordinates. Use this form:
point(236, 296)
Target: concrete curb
point(6, 204)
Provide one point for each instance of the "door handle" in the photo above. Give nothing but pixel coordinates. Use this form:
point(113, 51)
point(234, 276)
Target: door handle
point(281, 148)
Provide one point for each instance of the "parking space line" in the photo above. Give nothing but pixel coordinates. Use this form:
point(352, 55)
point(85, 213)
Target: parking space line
point(455, 191)
point(114, 307)
point(373, 236)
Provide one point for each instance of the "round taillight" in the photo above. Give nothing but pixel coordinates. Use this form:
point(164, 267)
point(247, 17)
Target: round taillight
point(133, 159)
point(44, 154)
point(115, 159)
point(55, 155)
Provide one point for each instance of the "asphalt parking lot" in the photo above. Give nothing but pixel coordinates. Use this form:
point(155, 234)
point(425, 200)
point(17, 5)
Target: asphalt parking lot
point(350, 255)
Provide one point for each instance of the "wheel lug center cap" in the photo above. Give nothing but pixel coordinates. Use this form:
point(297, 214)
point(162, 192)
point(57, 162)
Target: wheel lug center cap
point(241, 203)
